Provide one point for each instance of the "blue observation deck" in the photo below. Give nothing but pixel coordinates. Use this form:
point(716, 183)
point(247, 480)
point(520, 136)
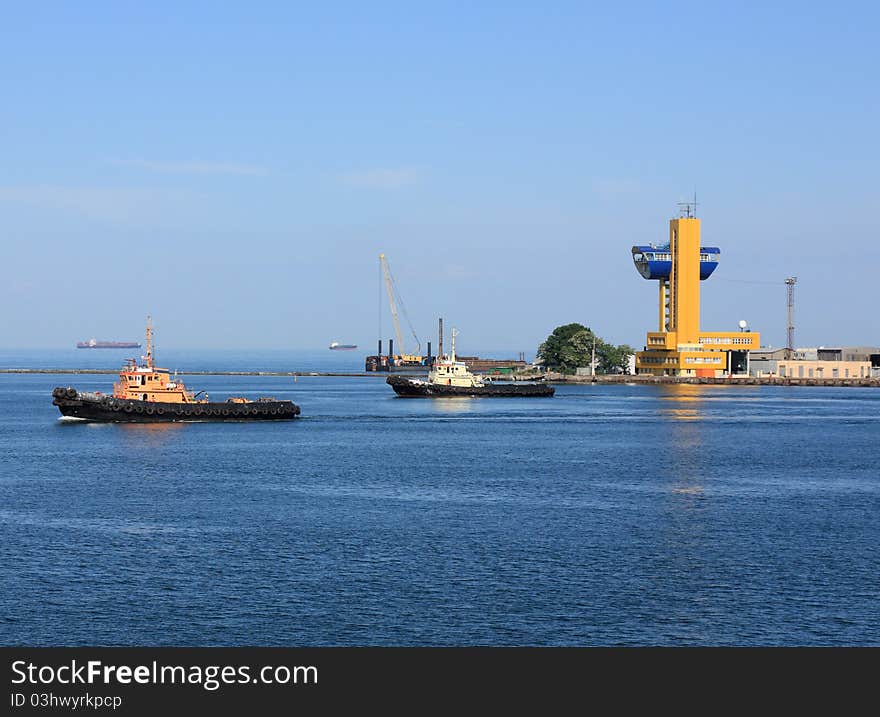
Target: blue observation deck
point(654, 261)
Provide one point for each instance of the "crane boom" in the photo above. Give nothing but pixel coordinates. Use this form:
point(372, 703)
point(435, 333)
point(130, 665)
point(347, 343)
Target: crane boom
point(389, 287)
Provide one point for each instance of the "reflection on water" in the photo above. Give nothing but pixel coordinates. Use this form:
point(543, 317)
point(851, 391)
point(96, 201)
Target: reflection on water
point(134, 435)
point(685, 401)
point(153, 434)
point(688, 472)
point(454, 404)
point(683, 414)
point(684, 404)
point(689, 490)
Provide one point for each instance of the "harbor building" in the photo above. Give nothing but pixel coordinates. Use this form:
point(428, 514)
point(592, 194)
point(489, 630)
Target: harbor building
point(765, 361)
point(679, 347)
point(816, 362)
point(824, 369)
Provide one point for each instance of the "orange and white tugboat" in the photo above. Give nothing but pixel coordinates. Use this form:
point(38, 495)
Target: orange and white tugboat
point(148, 394)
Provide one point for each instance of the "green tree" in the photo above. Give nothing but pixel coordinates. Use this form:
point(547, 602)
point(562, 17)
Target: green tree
point(578, 351)
point(571, 346)
point(613, 359)
point(568, 347)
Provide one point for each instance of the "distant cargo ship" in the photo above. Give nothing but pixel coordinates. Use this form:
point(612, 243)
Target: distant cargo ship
point(93, 344)
point(336, 346)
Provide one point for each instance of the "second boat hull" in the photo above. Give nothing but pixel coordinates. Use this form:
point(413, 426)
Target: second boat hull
point(415, 388)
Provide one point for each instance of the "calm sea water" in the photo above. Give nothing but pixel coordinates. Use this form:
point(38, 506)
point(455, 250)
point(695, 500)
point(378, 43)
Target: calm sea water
point(611, 515)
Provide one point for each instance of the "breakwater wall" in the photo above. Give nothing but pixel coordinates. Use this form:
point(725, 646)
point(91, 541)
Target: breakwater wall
point(113, 372)
point(720, 381)
point(551, 377)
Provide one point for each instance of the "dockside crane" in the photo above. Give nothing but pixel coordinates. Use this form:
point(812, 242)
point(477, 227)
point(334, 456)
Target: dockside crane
point(393, 300)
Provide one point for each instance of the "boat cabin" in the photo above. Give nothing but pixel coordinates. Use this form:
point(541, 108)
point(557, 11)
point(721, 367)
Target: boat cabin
point(449, 372)
point(149, 383)
point(146, 383)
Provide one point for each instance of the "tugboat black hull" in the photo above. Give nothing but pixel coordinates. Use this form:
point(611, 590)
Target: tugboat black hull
point(94, 407)
point(414, 388)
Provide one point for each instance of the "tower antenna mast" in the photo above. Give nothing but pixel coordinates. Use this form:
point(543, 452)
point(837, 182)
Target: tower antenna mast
point(688, 210)
point(789, 345)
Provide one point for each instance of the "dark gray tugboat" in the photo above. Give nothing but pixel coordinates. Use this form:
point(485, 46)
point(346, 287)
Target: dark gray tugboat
point(147, 394)
point(449, 378)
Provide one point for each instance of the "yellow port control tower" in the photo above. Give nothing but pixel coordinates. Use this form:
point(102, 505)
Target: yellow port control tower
point(678, 347)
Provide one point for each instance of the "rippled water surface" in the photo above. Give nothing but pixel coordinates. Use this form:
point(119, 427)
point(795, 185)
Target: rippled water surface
point(612, 515)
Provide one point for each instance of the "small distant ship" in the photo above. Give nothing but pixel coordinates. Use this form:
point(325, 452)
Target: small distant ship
point(336, 346)
point(95, 344)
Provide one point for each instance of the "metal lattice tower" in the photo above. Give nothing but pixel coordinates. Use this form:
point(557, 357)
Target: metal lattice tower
point(789, 346)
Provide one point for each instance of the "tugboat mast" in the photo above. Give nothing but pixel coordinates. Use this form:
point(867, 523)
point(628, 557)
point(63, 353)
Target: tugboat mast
point(149, 356)
point(454, 334)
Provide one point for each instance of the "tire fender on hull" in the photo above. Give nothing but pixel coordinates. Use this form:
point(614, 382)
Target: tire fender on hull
point(110, 409)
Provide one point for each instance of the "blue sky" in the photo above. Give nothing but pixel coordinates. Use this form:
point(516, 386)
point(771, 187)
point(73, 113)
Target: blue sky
point(236, 170)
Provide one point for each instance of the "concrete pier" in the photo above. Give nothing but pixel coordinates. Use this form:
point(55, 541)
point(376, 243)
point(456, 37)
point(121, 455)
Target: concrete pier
point(113, 372)
point(721, 381)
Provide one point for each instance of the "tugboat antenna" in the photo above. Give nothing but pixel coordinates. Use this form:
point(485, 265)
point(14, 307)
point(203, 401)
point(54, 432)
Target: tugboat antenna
point(149, 342)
